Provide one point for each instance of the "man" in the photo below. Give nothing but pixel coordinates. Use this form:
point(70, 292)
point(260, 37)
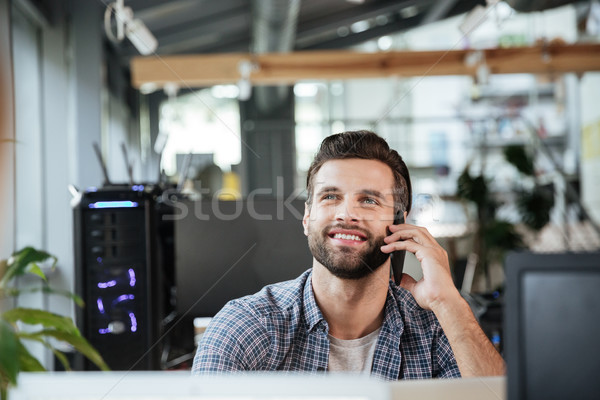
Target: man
point(346, 314)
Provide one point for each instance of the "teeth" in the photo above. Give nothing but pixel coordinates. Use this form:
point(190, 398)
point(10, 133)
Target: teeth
point(347, 237)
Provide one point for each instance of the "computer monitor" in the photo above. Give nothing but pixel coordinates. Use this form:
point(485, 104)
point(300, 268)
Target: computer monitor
point(179, 385)
point(552, 326)
point(176, 385)
point(229, 249)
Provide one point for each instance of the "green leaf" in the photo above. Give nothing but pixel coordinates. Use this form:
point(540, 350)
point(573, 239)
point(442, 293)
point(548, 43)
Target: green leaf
point(62, 358)
point(35, 269)
point(39, 337)
point(535, 207)
point(3, 268)
point(501, 236)
point(27, 362)
point(9, 367)
point(80, 344)
point(518, 157)
point(20, 261)
point(77, 299)
point(47, 319)
point(471, 188)
point(12, 292)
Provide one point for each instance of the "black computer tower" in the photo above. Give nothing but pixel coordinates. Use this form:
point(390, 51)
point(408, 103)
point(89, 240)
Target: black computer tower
point(122, 274)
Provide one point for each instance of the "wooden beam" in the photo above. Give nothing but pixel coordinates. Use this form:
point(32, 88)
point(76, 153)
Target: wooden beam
point(286, 68)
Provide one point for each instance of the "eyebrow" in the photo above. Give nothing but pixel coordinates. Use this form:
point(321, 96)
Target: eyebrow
point(328, 189)
point(334, 189)
point(374, 193)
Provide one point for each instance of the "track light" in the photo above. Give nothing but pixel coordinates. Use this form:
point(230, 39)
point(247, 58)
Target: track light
point(480, 14)
point(135, 30)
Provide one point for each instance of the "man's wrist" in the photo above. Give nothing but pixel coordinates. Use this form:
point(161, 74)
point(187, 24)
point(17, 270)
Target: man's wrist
point(451, 304)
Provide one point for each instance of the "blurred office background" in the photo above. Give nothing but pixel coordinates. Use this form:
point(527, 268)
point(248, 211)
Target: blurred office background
point(498, 161)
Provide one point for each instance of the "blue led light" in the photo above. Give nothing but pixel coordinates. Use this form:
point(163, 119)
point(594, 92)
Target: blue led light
point(104, 285)
point(123, 297)
point(100, 305)
point(131, 277)
point(137, 188)
point(113, 204)
point(496, 338)
point(133, 322)
point(104, 331)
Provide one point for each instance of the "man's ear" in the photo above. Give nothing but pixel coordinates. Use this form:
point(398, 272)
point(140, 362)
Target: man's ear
point(306, 218)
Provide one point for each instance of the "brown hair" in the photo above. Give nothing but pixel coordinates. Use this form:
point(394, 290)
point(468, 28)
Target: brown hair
point(366, 145)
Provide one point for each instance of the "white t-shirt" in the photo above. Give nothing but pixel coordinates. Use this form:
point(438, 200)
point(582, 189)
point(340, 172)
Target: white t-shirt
point(354, 355)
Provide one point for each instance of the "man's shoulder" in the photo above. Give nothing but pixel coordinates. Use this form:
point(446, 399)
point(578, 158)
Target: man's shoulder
point(247, 319)
point(279, 297)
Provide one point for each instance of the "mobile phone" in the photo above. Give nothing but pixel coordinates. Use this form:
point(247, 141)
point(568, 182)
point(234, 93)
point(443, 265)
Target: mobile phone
point(397, 257)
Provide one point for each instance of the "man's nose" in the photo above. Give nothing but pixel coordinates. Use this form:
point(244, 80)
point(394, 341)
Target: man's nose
point(346, 212)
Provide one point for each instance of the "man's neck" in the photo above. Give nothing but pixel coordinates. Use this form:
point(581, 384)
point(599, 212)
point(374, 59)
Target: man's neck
point(352, 308)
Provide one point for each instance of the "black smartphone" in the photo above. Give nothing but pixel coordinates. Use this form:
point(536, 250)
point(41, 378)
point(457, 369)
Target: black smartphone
point(398, 256)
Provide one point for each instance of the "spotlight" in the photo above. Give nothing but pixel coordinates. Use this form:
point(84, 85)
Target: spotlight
point(135, 30)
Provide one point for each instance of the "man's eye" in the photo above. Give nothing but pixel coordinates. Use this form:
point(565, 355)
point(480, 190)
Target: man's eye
point(329, 197)
point(370, 200)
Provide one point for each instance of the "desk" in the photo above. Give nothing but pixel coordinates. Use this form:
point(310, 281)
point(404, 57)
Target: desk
point(492, 388)
point(250, 386)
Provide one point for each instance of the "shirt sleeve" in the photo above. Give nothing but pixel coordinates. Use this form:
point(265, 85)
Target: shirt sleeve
point(235, 340)
point(445, 365)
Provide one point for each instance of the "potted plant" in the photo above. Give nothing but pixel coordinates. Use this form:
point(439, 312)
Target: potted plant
point(14, 356)
point(494, 236)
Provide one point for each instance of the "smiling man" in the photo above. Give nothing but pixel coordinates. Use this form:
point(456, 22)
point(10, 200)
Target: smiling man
point(346, 314)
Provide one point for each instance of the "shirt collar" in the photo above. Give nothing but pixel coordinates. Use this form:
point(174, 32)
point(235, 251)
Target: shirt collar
point(312, 313)
point(393, 317)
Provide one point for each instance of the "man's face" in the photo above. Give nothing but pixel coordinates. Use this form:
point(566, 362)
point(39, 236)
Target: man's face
point(352, 206)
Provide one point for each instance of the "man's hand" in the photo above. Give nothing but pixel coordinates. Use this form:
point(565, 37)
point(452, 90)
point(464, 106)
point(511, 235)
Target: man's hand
point(436, 287)
point(474, 353)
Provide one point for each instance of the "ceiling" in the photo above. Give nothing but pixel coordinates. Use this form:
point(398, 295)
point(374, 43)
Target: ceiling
point(222, 26)
point(271, 26)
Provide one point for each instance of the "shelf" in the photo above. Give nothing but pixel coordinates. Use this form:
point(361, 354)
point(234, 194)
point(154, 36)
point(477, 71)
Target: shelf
point(539, 91)
point(551, 141)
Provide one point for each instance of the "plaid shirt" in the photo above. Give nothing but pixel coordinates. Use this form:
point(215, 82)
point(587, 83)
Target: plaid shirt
point(281, 328)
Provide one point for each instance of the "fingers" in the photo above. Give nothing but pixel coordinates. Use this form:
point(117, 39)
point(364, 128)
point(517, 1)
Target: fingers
point(436, 252)
point(411, 232)
point(430, 254)
point(407, 245)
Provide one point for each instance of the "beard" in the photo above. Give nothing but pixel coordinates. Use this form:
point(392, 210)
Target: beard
point(345, 262)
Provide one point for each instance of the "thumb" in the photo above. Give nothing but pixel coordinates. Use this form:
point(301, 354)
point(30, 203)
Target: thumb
point(408, 282)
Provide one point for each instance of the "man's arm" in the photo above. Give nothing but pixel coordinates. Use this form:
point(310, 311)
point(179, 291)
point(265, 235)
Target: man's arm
point(475, 354)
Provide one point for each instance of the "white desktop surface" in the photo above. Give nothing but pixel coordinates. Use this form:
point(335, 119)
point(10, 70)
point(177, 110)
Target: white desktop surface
point(492, 388)
point(251, 386)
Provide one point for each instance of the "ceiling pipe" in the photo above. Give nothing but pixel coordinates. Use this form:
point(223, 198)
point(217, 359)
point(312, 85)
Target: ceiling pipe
point(274, 25)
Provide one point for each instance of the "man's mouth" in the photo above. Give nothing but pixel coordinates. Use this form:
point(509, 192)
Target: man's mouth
point(347, 236)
